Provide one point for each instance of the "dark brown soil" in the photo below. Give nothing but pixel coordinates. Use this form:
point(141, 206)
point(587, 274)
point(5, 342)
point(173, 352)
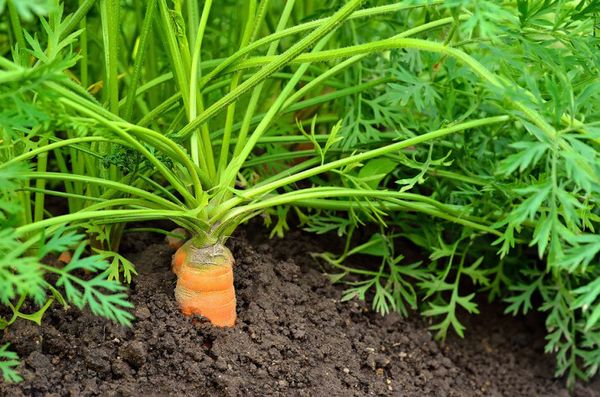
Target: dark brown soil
point(293, 337)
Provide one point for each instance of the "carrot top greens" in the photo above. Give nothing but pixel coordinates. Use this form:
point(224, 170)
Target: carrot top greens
point(466, 128)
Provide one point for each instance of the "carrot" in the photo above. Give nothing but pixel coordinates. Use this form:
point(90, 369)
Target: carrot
point(176, 242)
point(205, 282)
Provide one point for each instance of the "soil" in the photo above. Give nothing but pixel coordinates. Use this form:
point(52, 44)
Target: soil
point(293, 337)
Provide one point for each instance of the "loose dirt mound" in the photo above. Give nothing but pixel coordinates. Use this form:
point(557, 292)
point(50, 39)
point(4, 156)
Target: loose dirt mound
point(293, 337)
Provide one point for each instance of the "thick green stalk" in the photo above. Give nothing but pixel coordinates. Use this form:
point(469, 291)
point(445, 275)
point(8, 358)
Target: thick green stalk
point(169, 176)
point(110, 216)
point(48, 147)
point(235, 80)
point(201, 147)
point(122, 187)
point(193, 21)
point(42, 165)
point(366, 13)
point(77, 18)
point(83, 48)
point(15, 23)
point(109, 11)
point(179, 69)
point(254, 98)
point(378, 47)
point(321, 198)
point(277, 63)
point(357, 58)
point(336, 192)
point(229, 176)
point(139, 59)
point(49, 192)
point(131, 203)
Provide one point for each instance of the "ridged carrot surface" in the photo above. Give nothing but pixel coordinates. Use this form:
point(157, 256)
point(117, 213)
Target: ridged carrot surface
point(205, 282)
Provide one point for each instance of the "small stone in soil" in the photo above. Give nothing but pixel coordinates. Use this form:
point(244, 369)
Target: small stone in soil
point(282, 383)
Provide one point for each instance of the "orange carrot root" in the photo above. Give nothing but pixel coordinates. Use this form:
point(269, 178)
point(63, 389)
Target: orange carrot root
point(205, 282)
point(177, 242)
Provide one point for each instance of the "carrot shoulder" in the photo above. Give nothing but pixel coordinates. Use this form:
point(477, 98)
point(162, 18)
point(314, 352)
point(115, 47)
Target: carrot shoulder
point(205, 282)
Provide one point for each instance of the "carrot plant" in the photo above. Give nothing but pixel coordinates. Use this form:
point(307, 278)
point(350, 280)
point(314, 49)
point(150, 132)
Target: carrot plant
point(466, 127)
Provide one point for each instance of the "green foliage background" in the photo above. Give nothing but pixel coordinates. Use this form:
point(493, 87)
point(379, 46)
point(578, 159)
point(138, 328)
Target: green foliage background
point(504, 208)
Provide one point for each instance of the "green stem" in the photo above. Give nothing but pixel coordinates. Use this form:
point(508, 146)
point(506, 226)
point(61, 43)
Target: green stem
point(352, 60)
point(139, 59)
point(83, 46)
point(57, 176)
point(46, 148)
point(201, 147)
point(62, 194)
point(255, 97)
point(366, 13)
point(154, 230)
point(84, 7)
point(109, 11)
point(235, 79)
point(111, 216)
point(156, 139)
point(15, 23)
point(193, 21)
point(175, 56)
point(423, 45)
point(310, 196)
point(114, 122)
point(160, 109)
point(264, 189)
point(138, 146)
point(42, 165)
point(229, 176)
point(277, 63)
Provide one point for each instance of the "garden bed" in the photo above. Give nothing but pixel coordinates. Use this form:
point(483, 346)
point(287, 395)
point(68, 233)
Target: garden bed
point(293, 337)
